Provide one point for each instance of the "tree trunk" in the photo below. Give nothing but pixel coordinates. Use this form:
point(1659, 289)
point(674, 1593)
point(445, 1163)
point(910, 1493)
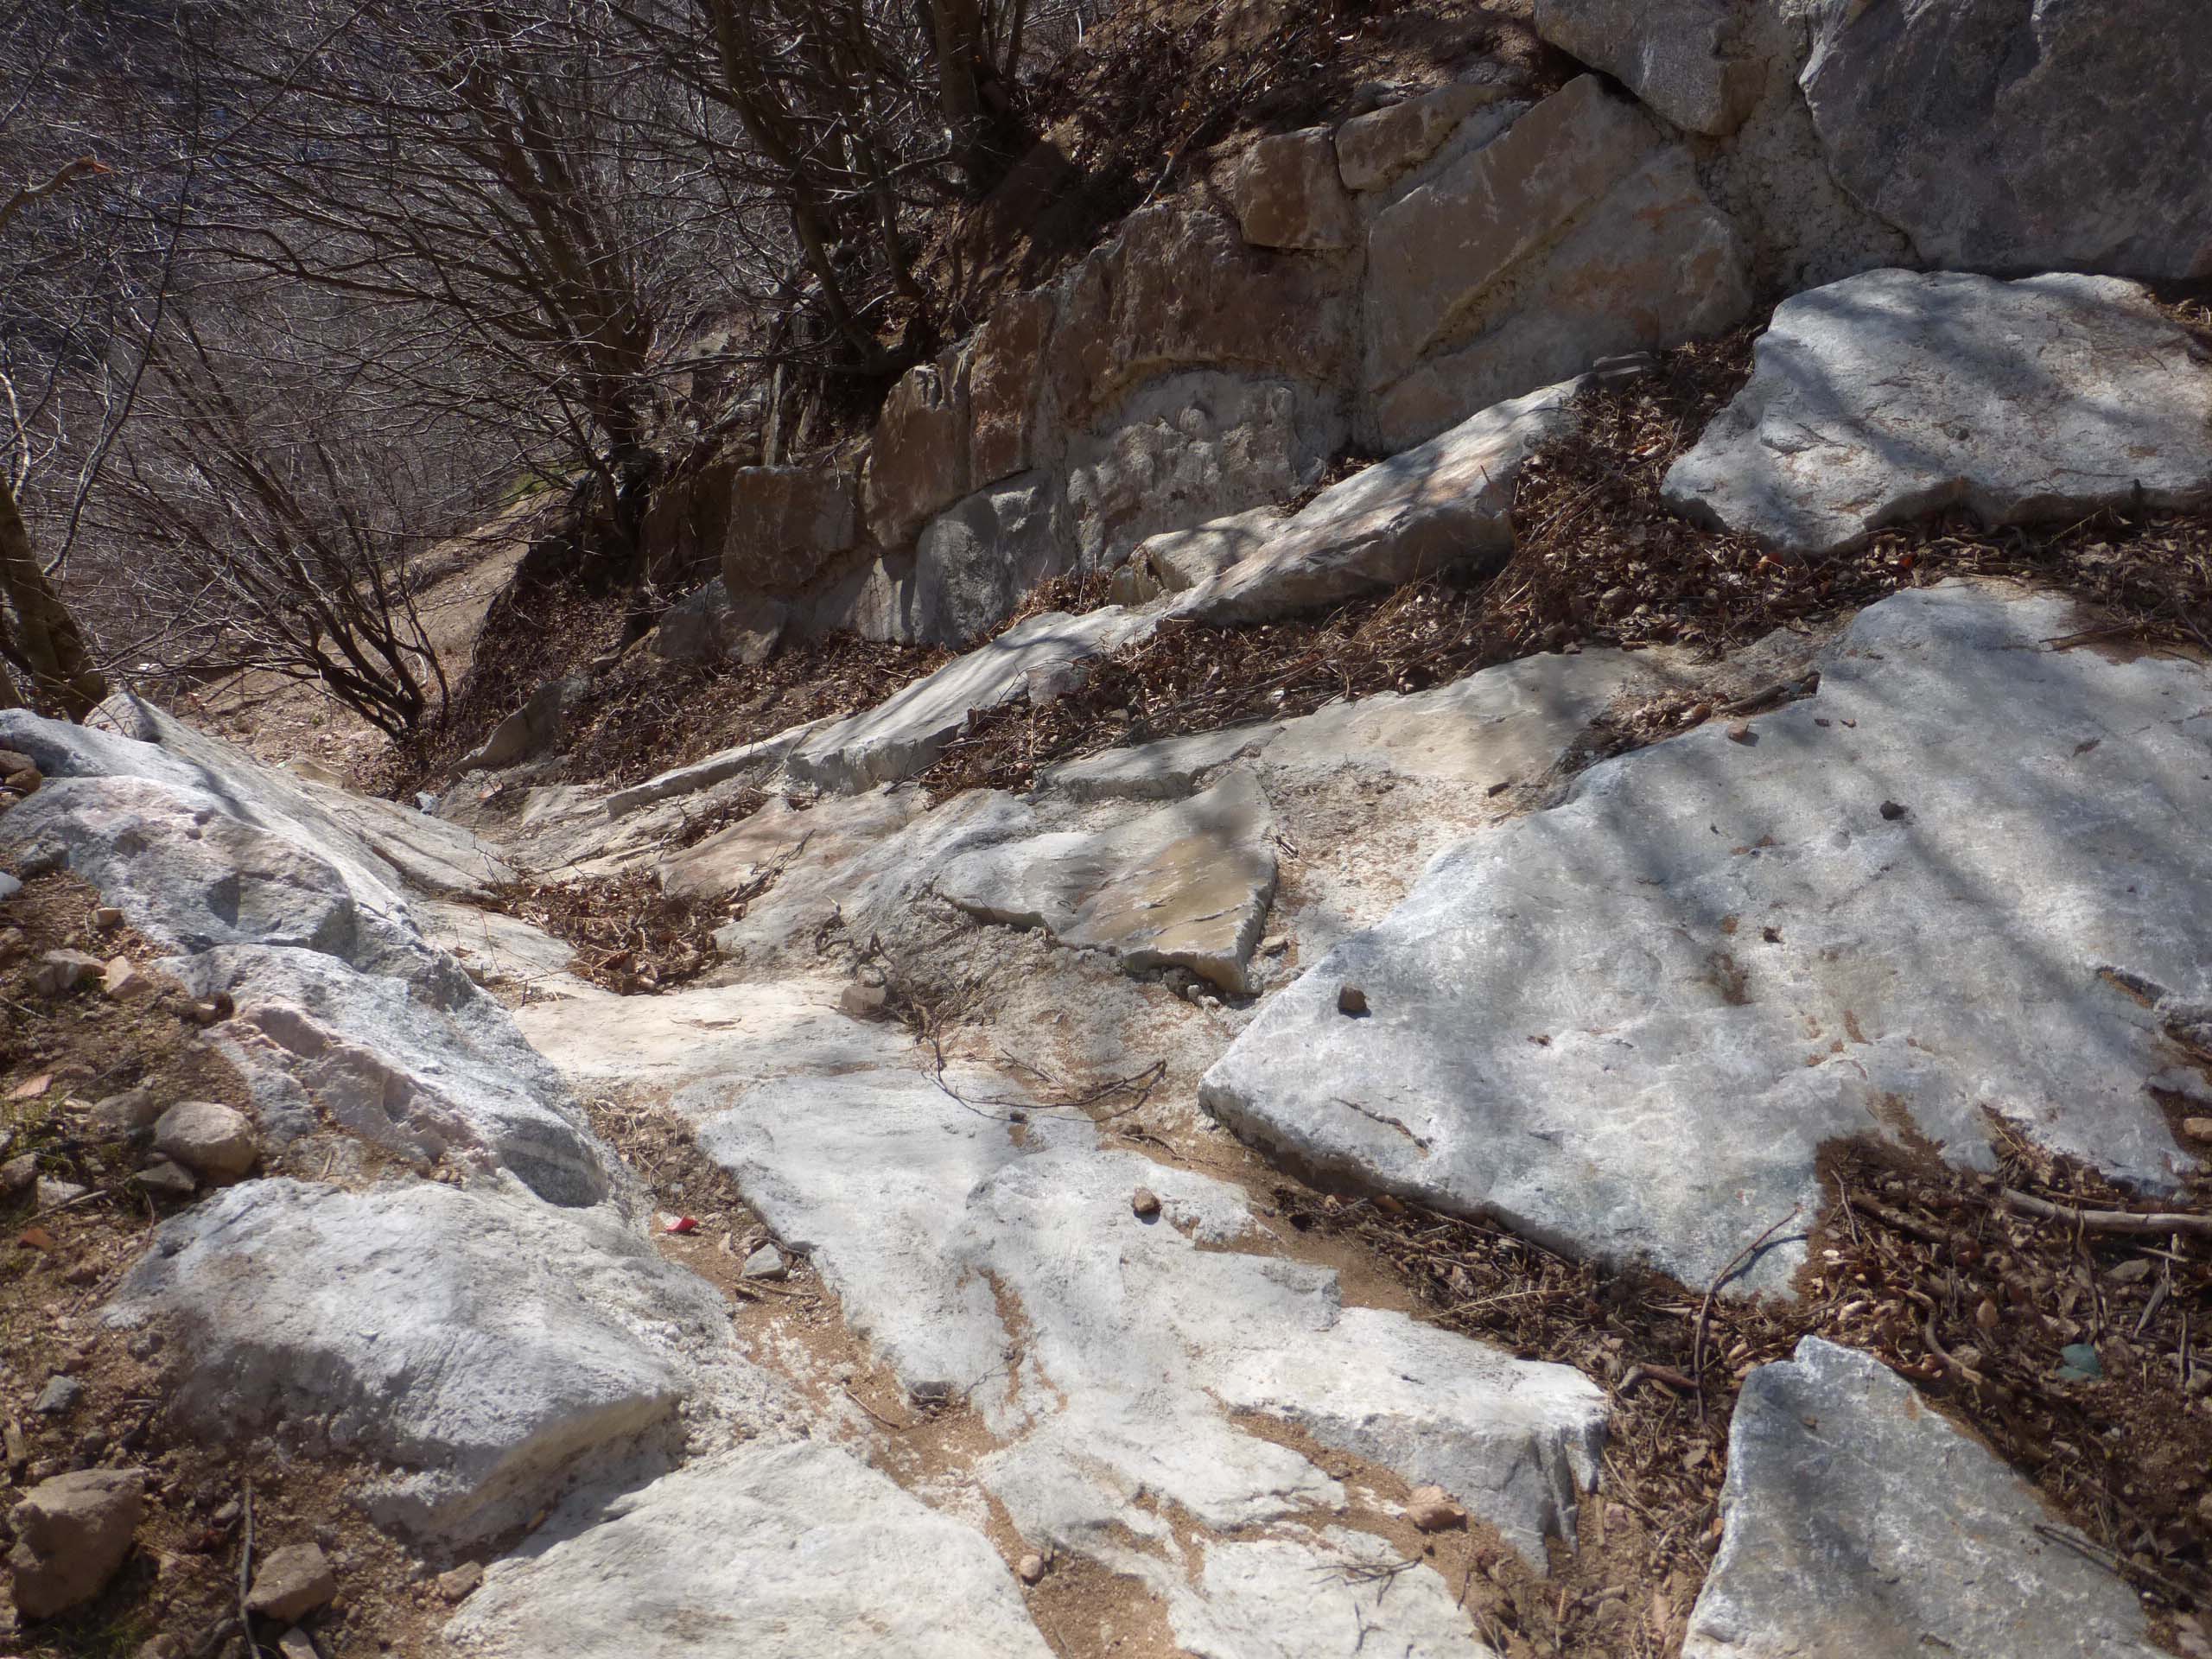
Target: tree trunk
point(46, 633)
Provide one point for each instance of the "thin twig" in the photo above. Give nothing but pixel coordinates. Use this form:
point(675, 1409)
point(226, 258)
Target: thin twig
point(2106, 1221)
point(1705, 1307)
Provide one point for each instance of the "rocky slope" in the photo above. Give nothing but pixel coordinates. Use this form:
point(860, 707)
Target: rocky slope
point(979, 1257)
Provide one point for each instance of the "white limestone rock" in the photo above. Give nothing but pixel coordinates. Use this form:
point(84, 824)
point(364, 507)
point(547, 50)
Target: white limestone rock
point(799, 1549)
point(1344, 1593)
point(1859, 1521)
point(435, 1071)
point(1897, 394)
point(1184, 886)
point(1735, 947)
point(1439, 506)
point(902, 735)
point(476, 1346)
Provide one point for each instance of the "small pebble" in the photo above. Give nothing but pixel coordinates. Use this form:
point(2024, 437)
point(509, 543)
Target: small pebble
point(1031, 1568)
point(1144, 1204)
point(1892, 811)
point(60, 1394)
point(1351, 1000)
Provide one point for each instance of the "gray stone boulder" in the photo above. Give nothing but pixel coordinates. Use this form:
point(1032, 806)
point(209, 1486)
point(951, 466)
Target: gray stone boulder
point(209, 1139)
point(1942, 888)
point(917, 461)
point(1859, 1520)
point(1184, 886)
point(1680, 57)
point(2007, 136)
point(1896, 394)
point(477, 1347)
point(1441, 505)
point(802, 1540)
point(1577, 234)
point(976, 562)
point(72, 1533)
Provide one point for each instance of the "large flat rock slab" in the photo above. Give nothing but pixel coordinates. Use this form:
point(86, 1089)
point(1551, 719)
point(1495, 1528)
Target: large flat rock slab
point(998, 1262)
point(900, 736)
point(1859, 1521)
point(797, 1550)
point(2004, 137)
point(1896, 395)
point(1439, 506)
point(1184, 886)
point(474, 1346)
point(1967, 878)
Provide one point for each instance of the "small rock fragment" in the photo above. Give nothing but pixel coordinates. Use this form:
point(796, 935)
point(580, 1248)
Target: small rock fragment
point(18, 1174)
point(24, 782)
point(1352, 1001)
point(2197, 1128)
point(1030, 1568)
point(1432, 1509)
point(60, 972)
point(206, 1138)
point(107, 917)
point(767, 1263)
point(212, 1011)
point(168, 1180)
point(1741, 732)
point(52, 1194)
point(863, 1002)
point(1144, 1204)
point(296, 1643)
point(124, 981)
point(1892, 811)
point(292, 1583)
point(459, 1584)
point(59, 1397)
point(72, 1533)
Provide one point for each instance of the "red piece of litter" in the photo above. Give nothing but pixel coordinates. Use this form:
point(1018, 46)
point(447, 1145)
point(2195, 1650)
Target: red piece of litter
point(683, 1225)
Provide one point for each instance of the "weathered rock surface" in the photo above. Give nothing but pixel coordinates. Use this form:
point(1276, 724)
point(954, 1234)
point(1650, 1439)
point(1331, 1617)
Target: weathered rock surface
point(1676, 55)
point(706, 627)
point(72, 1533)
point(975, 563)
point(1005, 378)
point(917, 464)
point(919, 1205)
point(786, 524)
point(532, 729)
point(900, 736)
point(432, 1071)
point(2008, 138)
point(1574, 235)
point(1444, 503)
point(751, 762)
point(830, 833)
point(1179, 289)
point(1859, 1521)
point(1729, 945)
point(1376, 147)
point(1191, 447)
point(1285, 193)
point(799, 1545)
point(1184, 886)
point(1896, 395)
point(477, 1346)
